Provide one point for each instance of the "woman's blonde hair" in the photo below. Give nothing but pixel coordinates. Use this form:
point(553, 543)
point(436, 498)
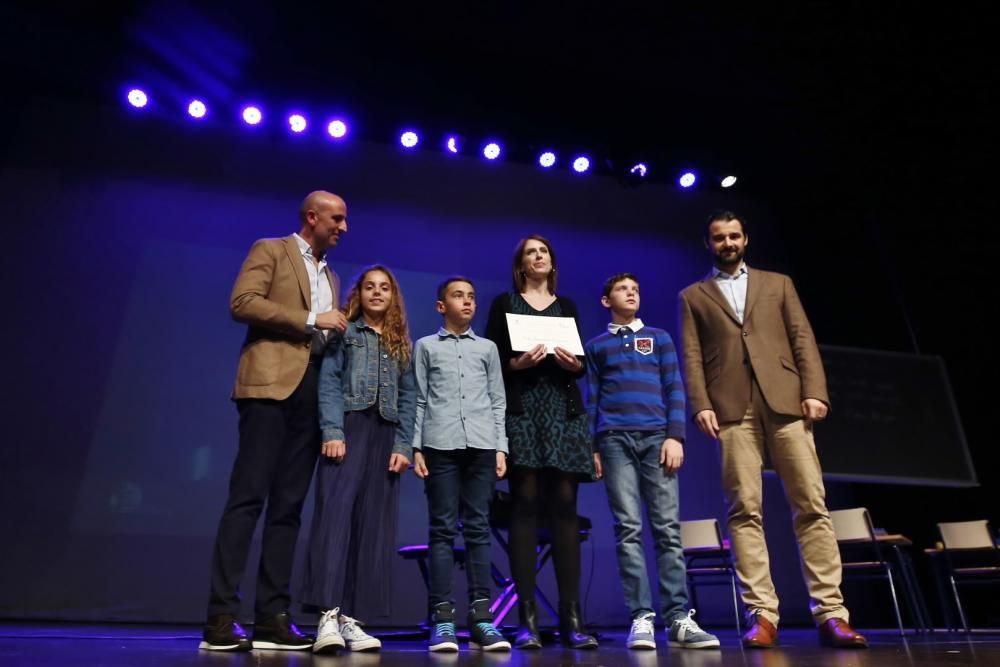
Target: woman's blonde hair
point(395, 330)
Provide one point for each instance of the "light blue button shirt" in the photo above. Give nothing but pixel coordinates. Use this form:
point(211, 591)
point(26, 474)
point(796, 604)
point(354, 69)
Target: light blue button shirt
point(320, 292)
point(460, 395)
point(734, 288)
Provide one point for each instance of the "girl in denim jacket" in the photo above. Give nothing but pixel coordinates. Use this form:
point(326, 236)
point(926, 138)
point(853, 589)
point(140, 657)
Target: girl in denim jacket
point(367, 402)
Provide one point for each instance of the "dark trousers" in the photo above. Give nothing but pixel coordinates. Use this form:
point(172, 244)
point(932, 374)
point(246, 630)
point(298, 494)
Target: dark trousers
point(279, 443)
point(459, 481)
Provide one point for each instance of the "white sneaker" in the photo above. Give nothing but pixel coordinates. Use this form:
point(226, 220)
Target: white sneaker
point(328, 635)
point(641, 635)
point(356, 638)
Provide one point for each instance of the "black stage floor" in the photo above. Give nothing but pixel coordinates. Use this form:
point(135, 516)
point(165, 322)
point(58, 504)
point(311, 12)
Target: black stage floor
point(43, 645)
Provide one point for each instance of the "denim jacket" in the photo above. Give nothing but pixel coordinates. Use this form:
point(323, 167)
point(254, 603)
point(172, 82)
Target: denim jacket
point(355, 369)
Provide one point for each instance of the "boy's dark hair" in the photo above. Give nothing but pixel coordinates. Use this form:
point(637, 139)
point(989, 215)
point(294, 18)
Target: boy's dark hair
point(443, 286)
point(610, 283)
point(725, 216)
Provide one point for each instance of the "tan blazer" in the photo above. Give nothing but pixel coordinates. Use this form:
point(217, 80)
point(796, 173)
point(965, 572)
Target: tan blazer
point(272, 297)
point(775, 341)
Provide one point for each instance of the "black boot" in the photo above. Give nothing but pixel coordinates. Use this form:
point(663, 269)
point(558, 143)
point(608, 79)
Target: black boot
point(571, 630)
point(527, 632)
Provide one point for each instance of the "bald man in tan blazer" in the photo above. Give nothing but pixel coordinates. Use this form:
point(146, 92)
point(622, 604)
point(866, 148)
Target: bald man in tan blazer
point(755, 380)
point(287, 296)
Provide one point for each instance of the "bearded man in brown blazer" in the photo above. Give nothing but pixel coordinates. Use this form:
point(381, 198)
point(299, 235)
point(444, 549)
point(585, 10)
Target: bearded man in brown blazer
point(755, 379)
point(287, 297)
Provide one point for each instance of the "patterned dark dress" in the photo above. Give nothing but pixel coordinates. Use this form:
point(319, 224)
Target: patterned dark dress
point(545, 435)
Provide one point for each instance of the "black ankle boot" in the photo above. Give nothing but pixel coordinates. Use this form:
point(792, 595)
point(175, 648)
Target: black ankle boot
point(527, 632)
point(571, 630)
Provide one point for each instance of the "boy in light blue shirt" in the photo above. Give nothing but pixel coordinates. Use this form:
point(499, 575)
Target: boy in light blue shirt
point(460, 450)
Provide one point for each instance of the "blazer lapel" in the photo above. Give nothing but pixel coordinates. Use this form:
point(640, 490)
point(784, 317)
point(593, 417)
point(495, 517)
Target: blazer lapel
point(334, 285)
point(298, 268)
point(709, 287)
point(754, 288)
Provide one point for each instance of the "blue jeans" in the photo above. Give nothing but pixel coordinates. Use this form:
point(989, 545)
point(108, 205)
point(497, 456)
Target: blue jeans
point(632, 476)
point(460, 480)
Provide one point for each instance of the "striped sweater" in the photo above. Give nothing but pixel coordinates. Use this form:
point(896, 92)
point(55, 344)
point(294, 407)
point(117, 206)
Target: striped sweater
point(634, 383)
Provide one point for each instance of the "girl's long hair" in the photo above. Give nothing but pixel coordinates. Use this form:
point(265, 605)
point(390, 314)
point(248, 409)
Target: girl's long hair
point(395, 330)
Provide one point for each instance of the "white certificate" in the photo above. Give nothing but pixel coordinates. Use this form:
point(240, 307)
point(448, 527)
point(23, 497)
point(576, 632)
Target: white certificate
point(527, 331)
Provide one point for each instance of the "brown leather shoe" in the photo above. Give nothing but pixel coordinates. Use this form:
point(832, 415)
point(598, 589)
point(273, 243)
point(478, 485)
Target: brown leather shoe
point(762, 633)
point(836, 633)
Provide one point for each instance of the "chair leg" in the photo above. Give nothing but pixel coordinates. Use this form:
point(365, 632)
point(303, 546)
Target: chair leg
point(958, 603)
point(693, 594)
point(895, 601)
point(736, 604)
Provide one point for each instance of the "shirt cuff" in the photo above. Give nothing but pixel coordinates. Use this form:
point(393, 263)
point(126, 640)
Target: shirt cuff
point(311, 322)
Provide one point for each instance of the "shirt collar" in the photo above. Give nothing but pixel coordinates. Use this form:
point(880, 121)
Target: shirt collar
point(468, 333)
point(306, 249)
point(634, 326)
point(742, 271)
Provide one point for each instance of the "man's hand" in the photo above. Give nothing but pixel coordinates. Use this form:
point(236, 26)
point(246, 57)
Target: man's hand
point(331, 319)
point(813, 410)
point(398, 463)
point(598, 470)
point(672, 455)
point(335, 449)
point(567, 360)
point(501, 465)
point(707, 423)
point(419, 467)
point(529, 359)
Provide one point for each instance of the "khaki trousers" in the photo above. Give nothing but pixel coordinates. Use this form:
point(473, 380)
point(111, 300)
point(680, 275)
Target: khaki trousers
point(793, 454)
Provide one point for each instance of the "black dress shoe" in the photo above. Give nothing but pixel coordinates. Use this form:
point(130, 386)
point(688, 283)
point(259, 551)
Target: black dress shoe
point(527, 632)
point(223, 633)
point(571, 631)
point(279, 632)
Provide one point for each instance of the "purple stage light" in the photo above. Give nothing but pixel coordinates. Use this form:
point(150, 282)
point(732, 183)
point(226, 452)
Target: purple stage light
point(409, 139)
point(297, 123)
point(581, 164)
point(728, 182)
point(251, 115)
point(639, 169)
point(687, 179)
point(491, 151)
point(451, 144)
point(547, 159)
point(137, 98)
point(197, 109)
point(337, 129)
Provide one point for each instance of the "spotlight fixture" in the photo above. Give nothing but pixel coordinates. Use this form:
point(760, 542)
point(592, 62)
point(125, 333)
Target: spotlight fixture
point(297, 123)
point(409, 139)
point(252, 115)
point(197, 109)
point(137, 98)
point(336, 128)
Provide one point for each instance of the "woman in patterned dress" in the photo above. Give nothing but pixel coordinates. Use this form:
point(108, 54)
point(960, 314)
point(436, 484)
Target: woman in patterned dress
point(550, 450)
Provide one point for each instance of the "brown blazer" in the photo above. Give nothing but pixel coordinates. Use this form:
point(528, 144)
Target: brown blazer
point(272, 297)
point(775, 341)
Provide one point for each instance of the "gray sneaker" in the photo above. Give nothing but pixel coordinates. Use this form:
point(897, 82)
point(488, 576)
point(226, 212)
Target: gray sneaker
point(641, 636)
point(685, 633)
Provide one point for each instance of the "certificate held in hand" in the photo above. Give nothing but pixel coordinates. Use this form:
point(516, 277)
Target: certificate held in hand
point(527, 331)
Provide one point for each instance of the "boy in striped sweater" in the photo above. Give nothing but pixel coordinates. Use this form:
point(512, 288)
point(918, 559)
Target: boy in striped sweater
point(636, 410)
